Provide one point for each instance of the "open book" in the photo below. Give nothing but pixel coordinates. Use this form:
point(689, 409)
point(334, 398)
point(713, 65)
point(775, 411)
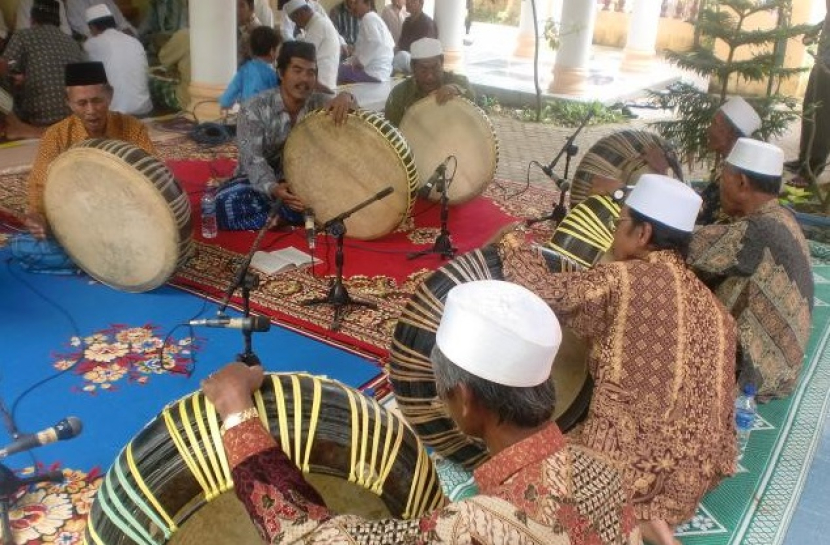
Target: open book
point(281, 260)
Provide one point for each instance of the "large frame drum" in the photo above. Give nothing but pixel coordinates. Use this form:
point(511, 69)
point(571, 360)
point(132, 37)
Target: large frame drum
point(620, 156)
point(459, 128)
point(119, 213)
point(332, 169)
point(362, 458)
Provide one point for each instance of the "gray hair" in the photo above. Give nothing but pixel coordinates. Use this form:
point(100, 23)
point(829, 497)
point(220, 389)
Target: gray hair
point(525, 407)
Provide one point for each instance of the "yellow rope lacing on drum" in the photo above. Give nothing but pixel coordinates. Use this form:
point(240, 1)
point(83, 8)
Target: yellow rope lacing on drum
point(217, 471)
point(216, 441)
point(388, 459)
point(297, 397)
point(146, 490)
point(282, 418)
point(132, 528)
point(179, 442)
point(312, 422)
point(135, 497)
point(209, 484)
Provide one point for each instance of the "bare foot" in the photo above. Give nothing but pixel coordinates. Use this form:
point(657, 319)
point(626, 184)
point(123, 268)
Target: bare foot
point(18, 130)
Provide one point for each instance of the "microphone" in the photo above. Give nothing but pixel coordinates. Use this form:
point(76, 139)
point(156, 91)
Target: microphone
point(310, 230)
point(65, 429)
point(434, 179)
point(251, 323)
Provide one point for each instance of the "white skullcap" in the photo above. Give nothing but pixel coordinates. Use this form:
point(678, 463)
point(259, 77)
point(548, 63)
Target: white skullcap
point(742, 115)
point(499, 331)
point(98, 11)
point(426, 48)
point(756, 156)
point(293, 5)
point(664, 199)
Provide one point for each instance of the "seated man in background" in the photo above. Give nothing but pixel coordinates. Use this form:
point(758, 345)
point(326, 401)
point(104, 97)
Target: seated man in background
point(394, 14)
point(256, 75)
point(174, 57)
point(263, 126)
point(35, 58)
point(759, 267)
point(246, 21)
point(661, 353)
point(289, 29)
point(428, 76)
point(76, 14)
point(418, 25)
point(345, 21)
point(317, 29)
point(88, 94)
point(23, 16)
point(371, 60)
point(124, 60)
point(163, 18)
point(492, 359)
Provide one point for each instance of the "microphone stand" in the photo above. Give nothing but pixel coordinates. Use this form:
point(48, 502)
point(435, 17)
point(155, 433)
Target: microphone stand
point(443, 243)
point(338, 296)
point(9, 485)
point(248, 281)
point(559, 210)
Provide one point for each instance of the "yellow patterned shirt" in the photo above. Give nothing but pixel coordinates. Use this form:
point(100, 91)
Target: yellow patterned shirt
point(63, 135)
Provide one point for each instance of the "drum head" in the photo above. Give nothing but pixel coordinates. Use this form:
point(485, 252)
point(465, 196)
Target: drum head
point(619, 156)
point(333, 169)
point(458, 128)
point(114, 221)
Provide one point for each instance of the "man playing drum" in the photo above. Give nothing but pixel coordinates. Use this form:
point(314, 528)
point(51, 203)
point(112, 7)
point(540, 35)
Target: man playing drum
point(494, 349)
point(263, 126)
point(661, 354)
point(428, 76)
point(88, 94)
point(759, 266)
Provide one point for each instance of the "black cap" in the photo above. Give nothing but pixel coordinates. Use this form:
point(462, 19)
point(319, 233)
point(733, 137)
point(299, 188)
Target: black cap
point(85, 73)
point(47, 11)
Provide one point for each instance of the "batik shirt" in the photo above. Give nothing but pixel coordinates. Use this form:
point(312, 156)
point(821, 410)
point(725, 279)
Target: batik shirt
point(262, 128)
point(661, 352)
point(407, 93)
point(41, 53)
point(345, 23)
point(540, 491)
point(759, 267)
point(62, 136)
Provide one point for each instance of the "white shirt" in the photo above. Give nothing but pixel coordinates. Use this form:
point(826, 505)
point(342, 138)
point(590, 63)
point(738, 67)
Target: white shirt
point(394, 18)
point(264, 13)
point(76, 14)
point(24, 16)
point(374, 47)
point(320, 31)
point(126, 64)
point(287, 26)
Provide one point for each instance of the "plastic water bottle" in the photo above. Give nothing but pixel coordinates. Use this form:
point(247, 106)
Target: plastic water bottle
point(745, 413)
point(209, 225)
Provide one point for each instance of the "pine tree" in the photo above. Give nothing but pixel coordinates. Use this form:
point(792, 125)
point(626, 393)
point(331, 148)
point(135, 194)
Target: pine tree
point(725, 21)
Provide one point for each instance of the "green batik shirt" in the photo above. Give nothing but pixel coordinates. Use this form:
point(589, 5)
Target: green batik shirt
point(407, 93)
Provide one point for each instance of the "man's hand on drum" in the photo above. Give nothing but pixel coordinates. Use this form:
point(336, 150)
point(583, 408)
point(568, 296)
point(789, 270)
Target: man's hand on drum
point(446, 92)
point(282, 192)
point(604, 185)
point(230, 389)
point(36, 225)
point(340, 106)
point(515, 227)
point(655, 158)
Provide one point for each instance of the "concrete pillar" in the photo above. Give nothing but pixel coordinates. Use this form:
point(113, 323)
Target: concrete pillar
point(526, 40)
point(571, 69)
point(212, 54)
point(449, 16)
point(429, 8)
point(639, 53)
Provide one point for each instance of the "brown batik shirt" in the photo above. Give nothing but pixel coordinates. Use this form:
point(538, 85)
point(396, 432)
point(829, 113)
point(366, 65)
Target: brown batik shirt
point(662, 356)
point(759, 267)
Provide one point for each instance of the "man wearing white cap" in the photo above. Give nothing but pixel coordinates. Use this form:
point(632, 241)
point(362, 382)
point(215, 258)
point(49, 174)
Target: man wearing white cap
point(76, 14)
point(428, 76)
point(492, 360)
point(759, 266)
point(317, 29)
point(661, 354)
point(124, 59)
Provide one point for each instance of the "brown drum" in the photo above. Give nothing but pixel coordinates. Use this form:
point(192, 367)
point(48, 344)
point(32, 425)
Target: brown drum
point(172, 483)
point(458, 128)
point(585, 234)
point(333, 169)
point(119, 213)
point(410, 369)
point(620, 156)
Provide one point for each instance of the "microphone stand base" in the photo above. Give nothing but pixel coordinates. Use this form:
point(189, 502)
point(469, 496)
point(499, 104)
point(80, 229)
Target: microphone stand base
point(339, 298)
point(443, 247)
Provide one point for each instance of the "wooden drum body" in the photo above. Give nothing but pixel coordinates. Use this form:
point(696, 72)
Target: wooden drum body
point(413, 381)
point(363, 459)
point(119, 213)
point(585, 234)
point(458, 128)
point(333, 169)
point(620, 156)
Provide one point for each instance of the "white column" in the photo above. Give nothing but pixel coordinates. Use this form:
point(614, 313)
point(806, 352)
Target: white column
point(639, 53)
point(526, 40)
point(449, 16)
point(212, 54)
point(429, 8)
point(577, 26)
